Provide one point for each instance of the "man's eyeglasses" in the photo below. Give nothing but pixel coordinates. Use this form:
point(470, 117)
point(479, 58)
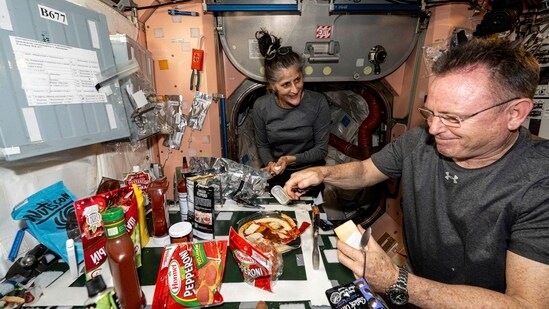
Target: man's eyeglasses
point(272, 52)
point(454, 121)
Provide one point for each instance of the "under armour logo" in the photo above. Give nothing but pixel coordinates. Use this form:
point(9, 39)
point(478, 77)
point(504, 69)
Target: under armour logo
point(454, 178)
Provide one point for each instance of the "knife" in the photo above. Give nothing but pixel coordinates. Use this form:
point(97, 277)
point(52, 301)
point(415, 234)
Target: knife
point(316, 251)
point(248, 204)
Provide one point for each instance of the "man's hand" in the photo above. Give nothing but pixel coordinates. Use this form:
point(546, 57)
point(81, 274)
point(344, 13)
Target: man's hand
point(380, 270)
point(300, 181)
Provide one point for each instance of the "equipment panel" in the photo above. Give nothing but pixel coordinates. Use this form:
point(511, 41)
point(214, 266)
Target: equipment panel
point(341, 41)
point(52, 54)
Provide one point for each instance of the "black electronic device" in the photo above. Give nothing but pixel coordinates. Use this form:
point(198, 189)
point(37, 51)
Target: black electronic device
point(31, 264)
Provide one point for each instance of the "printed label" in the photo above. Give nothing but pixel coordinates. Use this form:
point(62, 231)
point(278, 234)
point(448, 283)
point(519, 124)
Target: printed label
point(59, 208)
point(52, 14)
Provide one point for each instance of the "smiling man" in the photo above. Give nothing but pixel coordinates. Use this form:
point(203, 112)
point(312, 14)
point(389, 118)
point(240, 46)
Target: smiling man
point(475, 189)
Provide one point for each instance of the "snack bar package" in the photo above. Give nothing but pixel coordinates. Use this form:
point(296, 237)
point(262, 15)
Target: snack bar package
point(49, 215)
point(257, 259)
point(190, 274)
point(357, 294)
point(88, 214)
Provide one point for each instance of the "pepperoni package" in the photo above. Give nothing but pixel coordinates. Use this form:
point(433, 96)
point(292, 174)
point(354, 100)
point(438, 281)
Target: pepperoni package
point(190, 275)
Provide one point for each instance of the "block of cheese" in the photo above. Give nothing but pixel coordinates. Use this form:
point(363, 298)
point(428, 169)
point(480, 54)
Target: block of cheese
point(348, 232)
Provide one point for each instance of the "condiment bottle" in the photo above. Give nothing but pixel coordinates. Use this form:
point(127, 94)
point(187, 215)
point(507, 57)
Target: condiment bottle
point(182, 191)
point(99, 296)
point(160, 218)
point(119, 247)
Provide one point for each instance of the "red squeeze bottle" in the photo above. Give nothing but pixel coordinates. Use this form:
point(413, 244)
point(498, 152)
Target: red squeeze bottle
point(157, 196)
point(119, 247)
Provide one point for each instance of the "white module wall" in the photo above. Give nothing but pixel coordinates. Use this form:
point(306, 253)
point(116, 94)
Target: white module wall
point(51, 54)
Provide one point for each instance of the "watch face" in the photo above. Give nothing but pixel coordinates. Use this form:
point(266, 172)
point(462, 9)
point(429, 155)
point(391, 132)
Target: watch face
point(398, 296)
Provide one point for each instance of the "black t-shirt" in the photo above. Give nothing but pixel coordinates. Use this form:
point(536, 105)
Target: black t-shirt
point(459, 223)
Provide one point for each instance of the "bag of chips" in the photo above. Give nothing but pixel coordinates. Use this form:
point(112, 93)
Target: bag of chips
point(257, 259)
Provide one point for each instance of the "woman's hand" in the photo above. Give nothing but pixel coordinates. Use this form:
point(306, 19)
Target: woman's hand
point(272, 169)
point(276, 168)
point(281, 164)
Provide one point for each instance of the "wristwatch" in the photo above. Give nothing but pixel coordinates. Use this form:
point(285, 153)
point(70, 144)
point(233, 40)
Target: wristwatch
point(398, 292)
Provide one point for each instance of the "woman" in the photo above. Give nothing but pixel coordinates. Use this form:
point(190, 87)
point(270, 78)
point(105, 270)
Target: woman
point(292, 124)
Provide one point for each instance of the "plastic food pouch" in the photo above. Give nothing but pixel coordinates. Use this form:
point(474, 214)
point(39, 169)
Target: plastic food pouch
point(48, 214)
point(190, 274)
point(88, 213)
point(259, 262)
point(199, 109)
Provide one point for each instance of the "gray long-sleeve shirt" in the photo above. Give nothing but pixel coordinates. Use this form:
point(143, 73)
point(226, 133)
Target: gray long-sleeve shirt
point(302, 131)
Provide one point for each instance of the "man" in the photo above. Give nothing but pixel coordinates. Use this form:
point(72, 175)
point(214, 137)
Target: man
point(475, 189)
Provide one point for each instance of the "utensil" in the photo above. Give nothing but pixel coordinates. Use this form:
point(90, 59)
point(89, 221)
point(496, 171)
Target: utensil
point(364, 245)
point(248, 204)
point(316, 250)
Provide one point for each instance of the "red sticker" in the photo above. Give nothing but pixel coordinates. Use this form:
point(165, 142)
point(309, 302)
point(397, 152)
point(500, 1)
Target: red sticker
point(323, 32)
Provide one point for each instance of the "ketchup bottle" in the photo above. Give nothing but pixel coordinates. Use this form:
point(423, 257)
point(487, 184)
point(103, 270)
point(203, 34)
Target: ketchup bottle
point(119, 247)
point(160, 218)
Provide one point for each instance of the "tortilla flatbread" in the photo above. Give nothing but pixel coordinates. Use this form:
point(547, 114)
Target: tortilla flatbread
point(279, 230)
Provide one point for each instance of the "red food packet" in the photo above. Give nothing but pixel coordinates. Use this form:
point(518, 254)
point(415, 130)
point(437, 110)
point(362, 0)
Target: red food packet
point(258, 260)
point(88, 212)
point(190, 275)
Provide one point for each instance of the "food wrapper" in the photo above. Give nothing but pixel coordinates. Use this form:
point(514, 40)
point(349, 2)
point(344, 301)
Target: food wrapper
point(259, 262)
point(357, 294)
point(237, 181)
point(49, 215)
point(199, 109)
point(190, 274)
point(88, 213)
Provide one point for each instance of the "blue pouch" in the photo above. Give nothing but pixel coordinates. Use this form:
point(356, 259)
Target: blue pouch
point(49, 214)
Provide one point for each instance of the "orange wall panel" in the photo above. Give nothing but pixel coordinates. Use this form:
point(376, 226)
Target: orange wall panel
point(171, 40)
